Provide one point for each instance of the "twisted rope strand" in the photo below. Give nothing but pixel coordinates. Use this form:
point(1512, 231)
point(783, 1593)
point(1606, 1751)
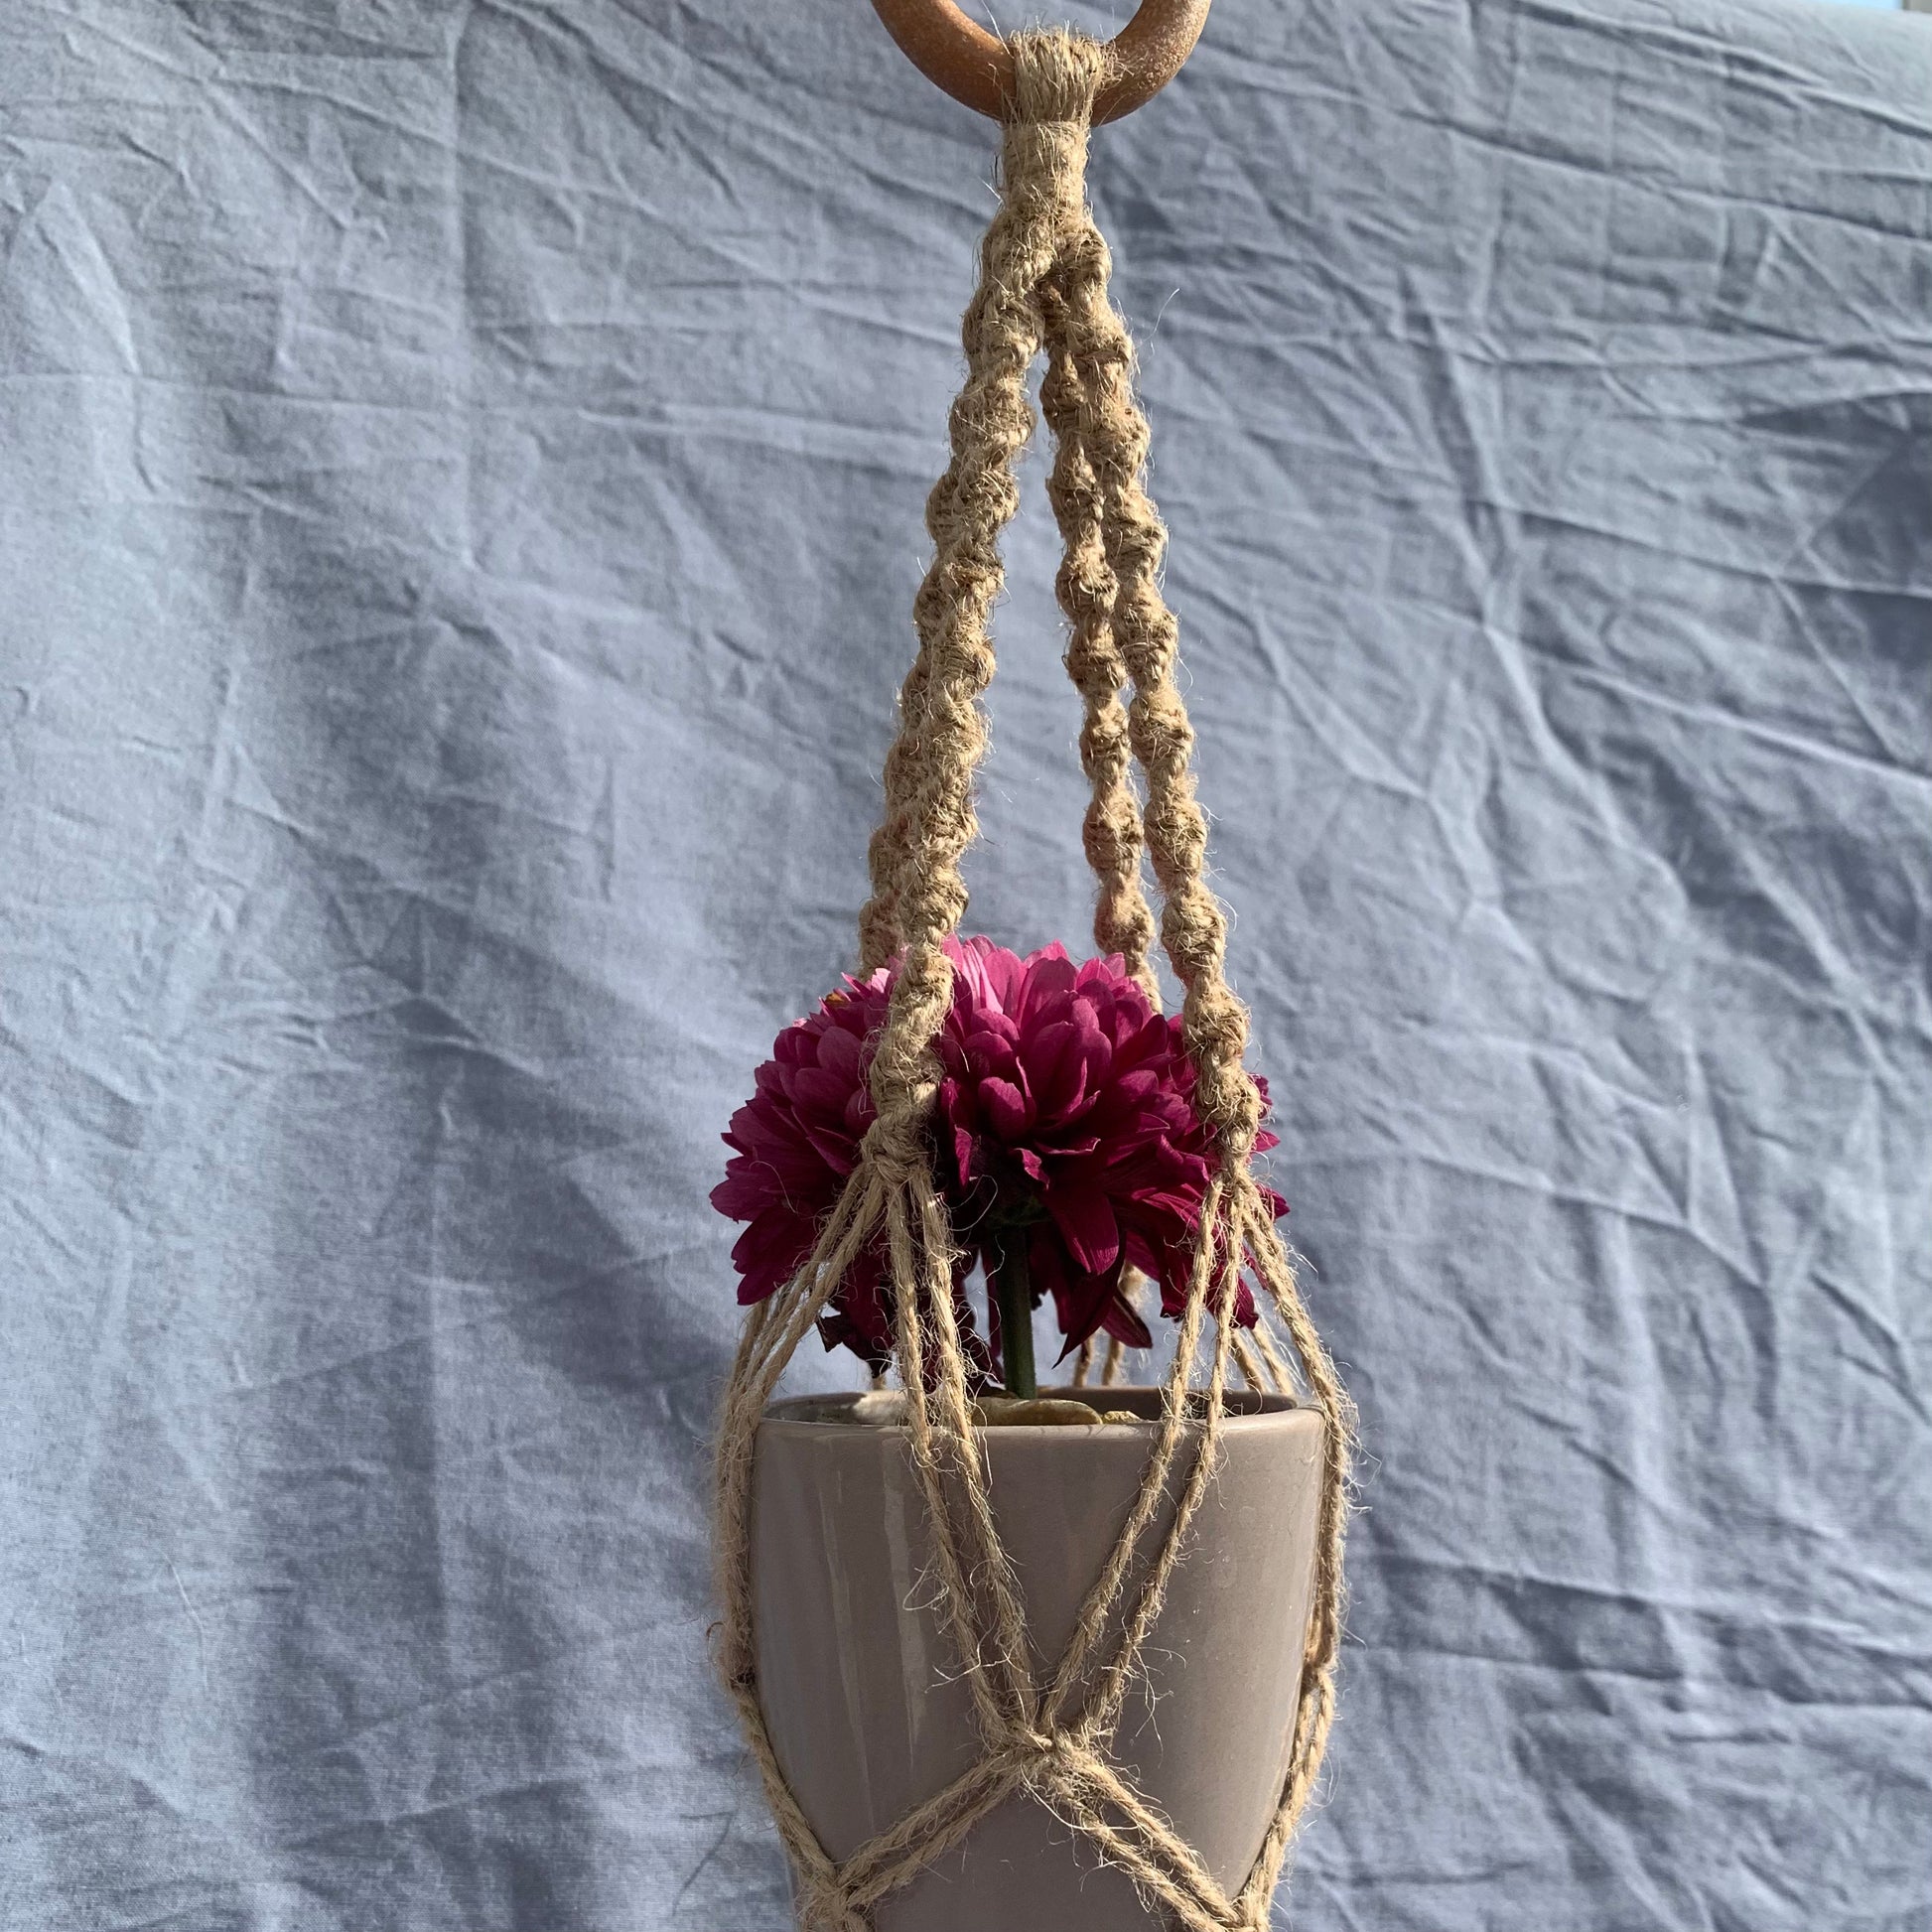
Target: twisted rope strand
point(1096, 1725)
point(1154, 1479)
point(1114, 441)
point(1112, 834)
point(937, 1456)
point(1181, 1875)
point(992, 1566)
point(1315, 1709)
point(928, 1832)
point(916, 892)
point(1193, 928)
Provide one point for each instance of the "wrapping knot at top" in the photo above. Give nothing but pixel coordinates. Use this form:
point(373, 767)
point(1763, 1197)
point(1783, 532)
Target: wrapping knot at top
point(1042, 150)
point(1055, 82)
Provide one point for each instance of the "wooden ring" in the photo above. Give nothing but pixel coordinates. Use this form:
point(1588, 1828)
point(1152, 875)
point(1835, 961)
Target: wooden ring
point(976, 68)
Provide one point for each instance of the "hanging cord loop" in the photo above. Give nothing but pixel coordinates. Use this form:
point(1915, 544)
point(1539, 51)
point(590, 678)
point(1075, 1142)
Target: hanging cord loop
point(1042, 287)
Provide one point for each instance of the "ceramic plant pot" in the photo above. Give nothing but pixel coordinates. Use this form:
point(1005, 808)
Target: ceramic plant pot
point(860, 1687)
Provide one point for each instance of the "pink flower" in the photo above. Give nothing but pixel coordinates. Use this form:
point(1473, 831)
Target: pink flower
point(1064, 1120)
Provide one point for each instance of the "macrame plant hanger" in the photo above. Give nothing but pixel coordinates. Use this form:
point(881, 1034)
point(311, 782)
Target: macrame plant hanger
point(1045, 1731)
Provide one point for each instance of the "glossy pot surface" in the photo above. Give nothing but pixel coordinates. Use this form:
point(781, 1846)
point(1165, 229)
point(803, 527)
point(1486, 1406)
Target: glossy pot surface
point(859, 1686)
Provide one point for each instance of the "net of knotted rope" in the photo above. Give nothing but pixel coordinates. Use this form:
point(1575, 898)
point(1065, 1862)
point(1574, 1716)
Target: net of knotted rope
point(1042, 290)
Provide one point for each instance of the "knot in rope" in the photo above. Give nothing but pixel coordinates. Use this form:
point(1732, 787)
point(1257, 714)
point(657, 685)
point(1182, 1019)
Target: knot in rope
point(825, 1908)
point(895, 1146)
point(1034, 1750)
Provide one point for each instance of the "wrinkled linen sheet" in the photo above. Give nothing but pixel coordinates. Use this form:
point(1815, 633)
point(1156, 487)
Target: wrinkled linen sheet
point(461, 475)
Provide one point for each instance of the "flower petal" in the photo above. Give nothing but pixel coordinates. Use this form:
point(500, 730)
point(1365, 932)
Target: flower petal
point(1065, 1101)
point(1008, 1111)
point(1123, 1321)
point(1086, 1223)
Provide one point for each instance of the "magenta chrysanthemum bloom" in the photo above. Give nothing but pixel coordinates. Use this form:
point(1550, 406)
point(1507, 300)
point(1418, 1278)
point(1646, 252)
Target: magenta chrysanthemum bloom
point(1064, 1128)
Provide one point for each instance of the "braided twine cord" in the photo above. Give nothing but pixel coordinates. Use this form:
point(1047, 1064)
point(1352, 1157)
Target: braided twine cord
point(1042, 287)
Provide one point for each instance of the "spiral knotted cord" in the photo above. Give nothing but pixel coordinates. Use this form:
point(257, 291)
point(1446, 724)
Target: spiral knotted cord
point(1043, 286)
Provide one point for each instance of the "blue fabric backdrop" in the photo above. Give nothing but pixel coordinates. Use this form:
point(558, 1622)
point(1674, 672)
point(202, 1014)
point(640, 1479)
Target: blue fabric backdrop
point(460, 471)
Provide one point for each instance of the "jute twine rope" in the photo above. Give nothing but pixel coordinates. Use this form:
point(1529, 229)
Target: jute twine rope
point(1043, 286)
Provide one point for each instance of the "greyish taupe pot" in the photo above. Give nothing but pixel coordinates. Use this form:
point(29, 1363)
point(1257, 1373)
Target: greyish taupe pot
point(859, 1686)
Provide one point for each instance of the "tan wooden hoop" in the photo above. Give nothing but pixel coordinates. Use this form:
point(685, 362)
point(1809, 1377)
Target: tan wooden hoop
point(976, 68)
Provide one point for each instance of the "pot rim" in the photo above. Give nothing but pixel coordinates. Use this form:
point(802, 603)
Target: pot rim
point(1258, 1410)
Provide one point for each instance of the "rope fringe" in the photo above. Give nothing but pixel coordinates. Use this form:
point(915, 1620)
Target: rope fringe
point(1043, 275)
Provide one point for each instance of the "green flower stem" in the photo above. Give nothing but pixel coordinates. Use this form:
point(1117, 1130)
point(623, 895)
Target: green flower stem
point(1012, 1289)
